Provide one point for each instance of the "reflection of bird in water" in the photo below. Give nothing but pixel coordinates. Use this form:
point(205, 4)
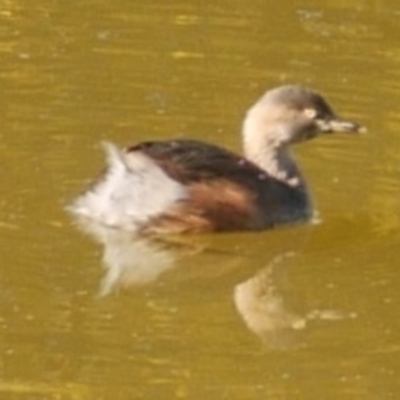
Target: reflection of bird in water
point(261, 303)
point(262, 306)
point(191, 186)
point(133, 262)
point(129, 260)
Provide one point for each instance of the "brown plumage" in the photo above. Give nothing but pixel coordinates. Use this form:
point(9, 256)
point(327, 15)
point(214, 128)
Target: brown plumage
point(226, 191)
point(191, 186)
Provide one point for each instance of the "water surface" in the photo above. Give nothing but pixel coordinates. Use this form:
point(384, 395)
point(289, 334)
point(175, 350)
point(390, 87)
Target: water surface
point(308, 312)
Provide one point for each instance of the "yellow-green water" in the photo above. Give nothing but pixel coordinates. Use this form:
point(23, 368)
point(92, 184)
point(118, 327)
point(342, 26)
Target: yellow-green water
point(310, 312)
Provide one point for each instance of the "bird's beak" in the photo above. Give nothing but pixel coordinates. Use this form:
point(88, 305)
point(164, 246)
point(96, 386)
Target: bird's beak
point(336, 124)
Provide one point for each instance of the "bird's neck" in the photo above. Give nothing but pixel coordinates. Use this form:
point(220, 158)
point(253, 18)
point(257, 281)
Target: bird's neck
point(273, 157)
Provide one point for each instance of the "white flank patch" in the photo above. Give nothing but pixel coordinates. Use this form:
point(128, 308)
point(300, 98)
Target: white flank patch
point(133, 190)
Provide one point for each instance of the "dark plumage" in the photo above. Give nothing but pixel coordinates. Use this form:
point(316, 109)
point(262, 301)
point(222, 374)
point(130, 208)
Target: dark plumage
point(188, 185)
point(228, 191)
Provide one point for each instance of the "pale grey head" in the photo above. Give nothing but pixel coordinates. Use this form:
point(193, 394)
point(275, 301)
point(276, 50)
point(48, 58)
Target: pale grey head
point(284, 116)
point(290, 114)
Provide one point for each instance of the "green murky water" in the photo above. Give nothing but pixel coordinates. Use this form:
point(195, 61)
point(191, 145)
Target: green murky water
point(302, 313)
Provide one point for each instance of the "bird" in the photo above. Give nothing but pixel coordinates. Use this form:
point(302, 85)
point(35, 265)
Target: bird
point(189, 186)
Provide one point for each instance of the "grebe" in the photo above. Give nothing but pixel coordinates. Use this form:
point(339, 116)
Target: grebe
point(178, 186)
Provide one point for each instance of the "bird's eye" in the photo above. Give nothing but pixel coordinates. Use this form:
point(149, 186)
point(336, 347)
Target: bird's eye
point(310, 113)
